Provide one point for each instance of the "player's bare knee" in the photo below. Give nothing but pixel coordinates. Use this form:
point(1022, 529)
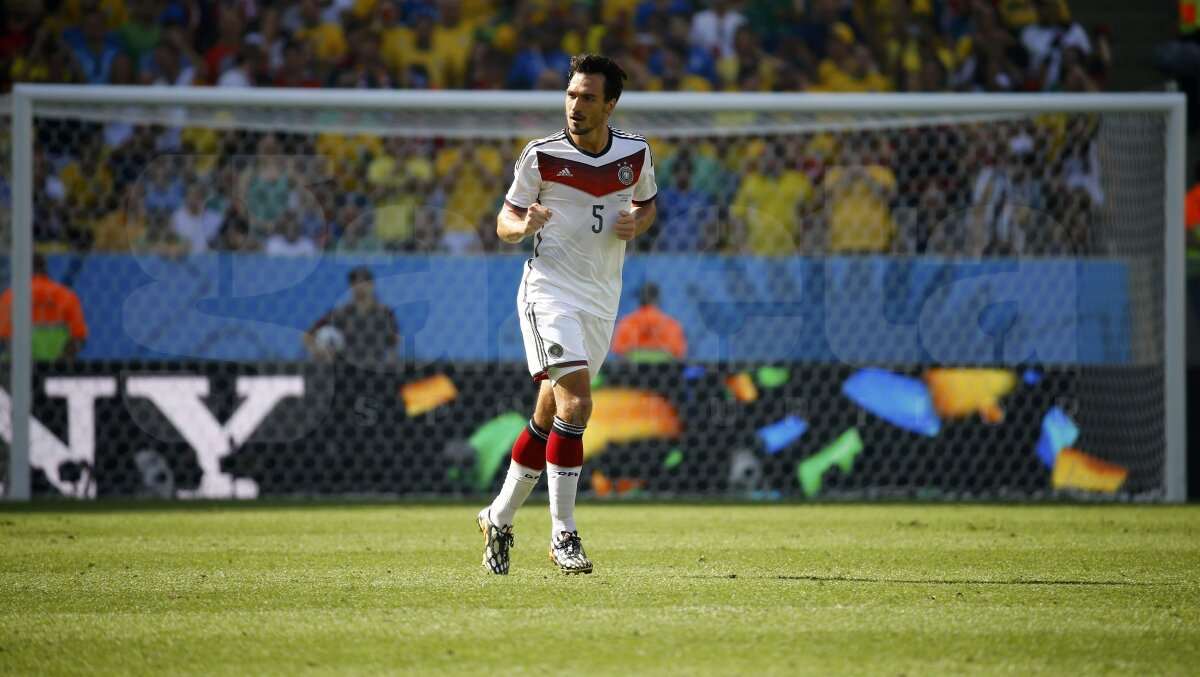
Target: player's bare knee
point(575, 409)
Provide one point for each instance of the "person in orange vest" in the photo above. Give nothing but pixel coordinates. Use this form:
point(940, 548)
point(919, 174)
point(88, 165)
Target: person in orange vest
point(59, 328)
point(648, 334)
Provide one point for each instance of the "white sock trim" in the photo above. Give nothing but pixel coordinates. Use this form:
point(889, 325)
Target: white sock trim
point(519, 482)
point(564, 484)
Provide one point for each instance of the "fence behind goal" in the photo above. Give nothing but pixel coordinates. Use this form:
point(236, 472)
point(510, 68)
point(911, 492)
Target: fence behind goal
point(881, 296)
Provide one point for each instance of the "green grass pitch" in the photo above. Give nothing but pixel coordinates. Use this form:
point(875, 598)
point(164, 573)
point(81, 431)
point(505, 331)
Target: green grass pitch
point(678, 589)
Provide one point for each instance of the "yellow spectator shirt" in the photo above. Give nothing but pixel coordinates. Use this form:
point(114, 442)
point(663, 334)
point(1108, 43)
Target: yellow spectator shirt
point(768, 208)
point(471, 177)
point(327, 40)
point(83, 188)
point(860, 220)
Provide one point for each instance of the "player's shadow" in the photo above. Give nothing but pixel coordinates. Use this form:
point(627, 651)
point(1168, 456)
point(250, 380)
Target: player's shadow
point(940, 581)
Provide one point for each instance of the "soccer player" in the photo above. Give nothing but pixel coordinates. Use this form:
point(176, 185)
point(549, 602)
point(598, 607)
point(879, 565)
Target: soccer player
point(582, 193)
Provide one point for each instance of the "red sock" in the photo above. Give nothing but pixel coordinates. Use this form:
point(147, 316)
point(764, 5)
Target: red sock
point(565, 446)
point(530, 448)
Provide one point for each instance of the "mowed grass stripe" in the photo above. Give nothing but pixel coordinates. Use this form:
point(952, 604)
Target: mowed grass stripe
point(679, 589)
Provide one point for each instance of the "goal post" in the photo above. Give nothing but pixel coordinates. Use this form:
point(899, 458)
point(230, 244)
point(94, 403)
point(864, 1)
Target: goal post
point(1131, 243)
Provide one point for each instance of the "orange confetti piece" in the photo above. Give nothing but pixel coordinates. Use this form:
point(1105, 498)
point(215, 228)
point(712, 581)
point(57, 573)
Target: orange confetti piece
point(1076, 470)
point(742, 387)
point(427, 394)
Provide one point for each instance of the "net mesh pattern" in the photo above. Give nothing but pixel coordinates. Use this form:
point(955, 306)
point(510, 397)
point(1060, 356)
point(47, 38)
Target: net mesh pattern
point(884, 305)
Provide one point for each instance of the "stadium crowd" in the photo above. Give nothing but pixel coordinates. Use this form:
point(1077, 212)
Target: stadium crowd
point(960, 189)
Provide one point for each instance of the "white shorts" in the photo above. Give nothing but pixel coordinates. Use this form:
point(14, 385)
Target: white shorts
point(560, 339)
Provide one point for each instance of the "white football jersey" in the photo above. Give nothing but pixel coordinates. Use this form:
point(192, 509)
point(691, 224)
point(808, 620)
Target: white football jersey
point(577, 258)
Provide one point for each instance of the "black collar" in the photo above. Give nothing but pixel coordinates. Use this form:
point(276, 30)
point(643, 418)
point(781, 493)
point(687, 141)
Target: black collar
point(587, 153)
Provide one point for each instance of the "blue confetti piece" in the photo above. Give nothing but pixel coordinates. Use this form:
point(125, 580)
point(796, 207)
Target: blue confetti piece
point(1031, 377)
point(693, 372)
point(900, 400)
point(1058, 431)
point(782, 433)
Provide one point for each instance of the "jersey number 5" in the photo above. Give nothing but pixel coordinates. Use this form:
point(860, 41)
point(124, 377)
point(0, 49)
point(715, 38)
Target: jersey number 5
point(599, 224)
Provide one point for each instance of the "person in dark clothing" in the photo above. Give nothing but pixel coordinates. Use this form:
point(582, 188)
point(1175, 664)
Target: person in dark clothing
point(363, 331)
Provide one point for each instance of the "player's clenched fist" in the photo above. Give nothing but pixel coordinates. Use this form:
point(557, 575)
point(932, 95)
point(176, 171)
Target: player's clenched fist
point(625, 227)
point(535, 217)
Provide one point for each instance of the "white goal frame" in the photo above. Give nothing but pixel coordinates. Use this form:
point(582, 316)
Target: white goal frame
point(1173, 105)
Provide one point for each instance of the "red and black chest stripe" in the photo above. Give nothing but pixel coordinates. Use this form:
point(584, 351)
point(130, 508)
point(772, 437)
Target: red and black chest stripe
point(594, 180)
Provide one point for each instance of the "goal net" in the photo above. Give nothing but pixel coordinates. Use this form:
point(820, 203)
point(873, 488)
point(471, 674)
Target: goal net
point(291, 293)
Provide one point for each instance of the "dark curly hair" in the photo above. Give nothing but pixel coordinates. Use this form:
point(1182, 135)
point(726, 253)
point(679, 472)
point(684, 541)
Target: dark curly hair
point(594, 64)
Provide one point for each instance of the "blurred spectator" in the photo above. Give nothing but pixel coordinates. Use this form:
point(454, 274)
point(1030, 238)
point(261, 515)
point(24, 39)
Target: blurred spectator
point(465, 170)
point(399, 181)
point(1004, 193)
point(290, 241)
point(223, 55)
point(327, 40)
point(452, 38)
point(264, 189)
point(87, 179)
point(1048, 39)
point(296, 70)
point(365, 69)
point(815, 27)
point(713, 29)
point(173, 62)
point(848, 66)
point(249, 69)
point(858, 194)
point(164, 188)
point(673, 77)
point(270, 41)
point(394, 36)
point(685, 215)
point(194, 222)
point(916, 57)
point(934, 228)
point(363, 331)
point(59, 328)
point(235, 237)
point(704, 171)
point(423, 65)
point(648, 334)
point(138, 36)
point(49, 200)
point(159, 239)
point(122, 222)
point(747, 59)
point(47, 60)
point(356, 237)
point(122, 71)
point(71, 12)
point(20, 27)
point(98, 50)
point(582, 31)
point(543, 54)
point(696, 61)
point(1017, 14)
point(653, 16)
point(993, 60)
point(767, 202)
point(1081, 158)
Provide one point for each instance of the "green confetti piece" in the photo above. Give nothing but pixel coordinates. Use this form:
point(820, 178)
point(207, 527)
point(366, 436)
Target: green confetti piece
point(597, 381)
point(673, 459)
point(492, 443)
point(841, 452)
point(772, 377)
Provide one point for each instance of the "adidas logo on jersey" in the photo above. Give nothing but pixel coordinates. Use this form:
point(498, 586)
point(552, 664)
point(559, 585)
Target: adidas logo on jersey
point(565, 171)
